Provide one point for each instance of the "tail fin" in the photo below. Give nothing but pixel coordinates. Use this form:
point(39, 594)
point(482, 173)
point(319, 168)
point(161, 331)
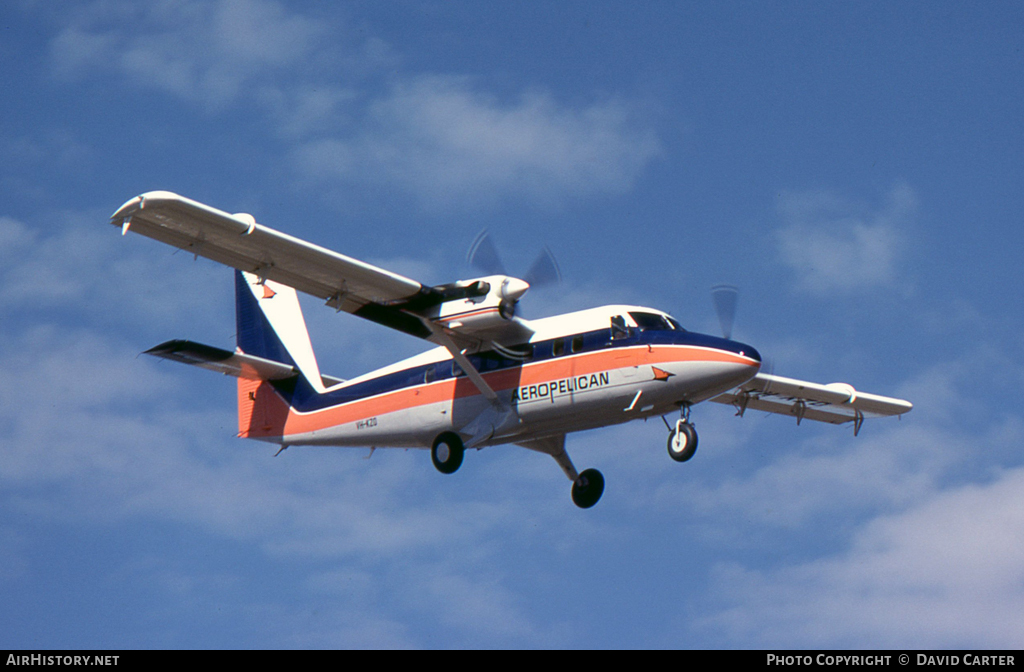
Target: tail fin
point(270, 326)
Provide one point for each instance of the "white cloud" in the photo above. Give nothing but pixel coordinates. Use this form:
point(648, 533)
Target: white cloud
point(350, 120)
point(442, 141)
point(835, 246)
point(14, 237)
point(211, 53)
point(83, 268)
point(926, 513)
point(817, 484)
point(947, 573)
point(308, 110)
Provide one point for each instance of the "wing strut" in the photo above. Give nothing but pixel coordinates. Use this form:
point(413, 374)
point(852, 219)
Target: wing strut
point(491, 421)
point(464, 363)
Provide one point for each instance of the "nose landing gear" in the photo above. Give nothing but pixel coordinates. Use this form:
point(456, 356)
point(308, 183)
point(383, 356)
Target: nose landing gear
point(682, 439)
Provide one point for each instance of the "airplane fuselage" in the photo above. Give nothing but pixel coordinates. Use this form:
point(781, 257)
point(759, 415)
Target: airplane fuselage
point(619, 363)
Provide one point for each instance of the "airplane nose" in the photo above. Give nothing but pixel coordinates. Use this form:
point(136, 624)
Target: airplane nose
point(722, 344)
point(741, 349)
point(748, 351)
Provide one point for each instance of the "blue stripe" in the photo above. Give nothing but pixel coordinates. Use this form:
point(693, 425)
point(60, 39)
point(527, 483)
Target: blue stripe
point(301, 395)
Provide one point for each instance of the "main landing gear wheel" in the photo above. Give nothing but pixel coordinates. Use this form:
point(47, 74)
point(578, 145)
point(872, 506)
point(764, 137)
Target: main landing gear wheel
point(446, 453)
point(588, 488)
point(682, 441)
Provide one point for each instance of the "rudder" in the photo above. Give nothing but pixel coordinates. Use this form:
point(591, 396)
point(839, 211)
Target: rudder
point(270, 325)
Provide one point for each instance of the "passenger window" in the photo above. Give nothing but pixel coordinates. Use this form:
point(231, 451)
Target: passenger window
point(577, 343)
point(558, 348)
point(456, 369)
point(428, 375)
point(489, 361)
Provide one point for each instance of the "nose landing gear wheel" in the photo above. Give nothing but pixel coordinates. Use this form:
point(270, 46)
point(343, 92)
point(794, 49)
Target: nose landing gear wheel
point(446, 453)
point(682, 441)
point(588, 488)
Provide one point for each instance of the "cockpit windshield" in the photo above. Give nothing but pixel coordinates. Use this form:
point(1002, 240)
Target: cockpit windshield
point(655, 322)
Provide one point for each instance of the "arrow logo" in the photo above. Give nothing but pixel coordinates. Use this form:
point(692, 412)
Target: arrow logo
point(660, 374)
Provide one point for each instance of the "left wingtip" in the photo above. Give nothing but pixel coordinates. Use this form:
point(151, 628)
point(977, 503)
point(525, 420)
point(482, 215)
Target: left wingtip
point(138, 203)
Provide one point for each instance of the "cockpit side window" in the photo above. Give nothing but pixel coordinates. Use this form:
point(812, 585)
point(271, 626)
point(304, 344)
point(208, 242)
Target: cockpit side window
point(619, 329)
point(651, 321)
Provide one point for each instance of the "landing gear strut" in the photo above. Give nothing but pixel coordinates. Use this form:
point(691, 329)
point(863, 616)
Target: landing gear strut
point(682, 439)
point(587, 487)
point(446, 453)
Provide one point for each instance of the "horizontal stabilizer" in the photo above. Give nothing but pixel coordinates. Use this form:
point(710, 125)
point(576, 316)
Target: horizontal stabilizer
point(223, 361)
point(229, 363)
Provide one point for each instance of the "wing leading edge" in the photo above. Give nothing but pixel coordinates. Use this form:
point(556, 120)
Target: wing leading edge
point(835, 403)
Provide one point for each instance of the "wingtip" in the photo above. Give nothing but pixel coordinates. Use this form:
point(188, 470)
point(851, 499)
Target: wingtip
point(125, 210)
point(139, 202)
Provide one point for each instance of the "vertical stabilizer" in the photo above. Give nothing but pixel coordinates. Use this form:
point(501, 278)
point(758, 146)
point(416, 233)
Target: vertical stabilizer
point(270, 325)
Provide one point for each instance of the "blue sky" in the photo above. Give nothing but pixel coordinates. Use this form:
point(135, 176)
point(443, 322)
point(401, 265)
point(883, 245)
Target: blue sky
point(855, 168)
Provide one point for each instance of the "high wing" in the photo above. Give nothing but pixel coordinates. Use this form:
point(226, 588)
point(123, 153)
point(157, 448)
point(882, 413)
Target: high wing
point(835, 403)
point(343, 282)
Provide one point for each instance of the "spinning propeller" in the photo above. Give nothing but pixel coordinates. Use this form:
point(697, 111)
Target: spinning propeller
point(484, 256)
point(725, 298)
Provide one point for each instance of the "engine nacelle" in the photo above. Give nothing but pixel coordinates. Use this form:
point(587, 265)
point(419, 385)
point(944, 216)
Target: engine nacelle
point(488, 302)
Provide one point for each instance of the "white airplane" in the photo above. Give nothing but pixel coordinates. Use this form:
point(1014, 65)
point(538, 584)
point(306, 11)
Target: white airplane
point(495, 378)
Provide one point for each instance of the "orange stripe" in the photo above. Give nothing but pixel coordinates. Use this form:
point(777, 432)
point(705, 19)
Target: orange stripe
point(285, 420)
